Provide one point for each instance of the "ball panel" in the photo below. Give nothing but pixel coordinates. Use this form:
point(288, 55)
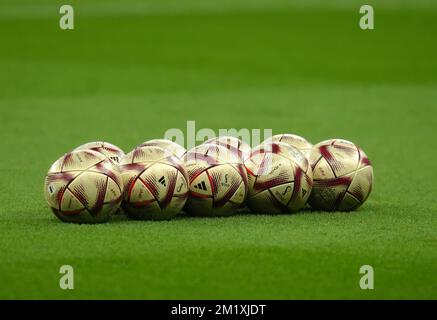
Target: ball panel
point(349, 203)
point(293, 154)
point(56, 167)
point(322, 170)
point(342, 159)
point(328, 194)
point(198, 161)
point(55, 185)
point(278, 172)
point(241, 169)
point(224, 210)
point(90, 189)
point(302, 188)
point(225, 155)
point(224, 180)
point(264, 165)
point(199, 206)
point(293, 140)
point(106, 168)
point(211, 154)
point(361, 184)
point(81, 160)
point(253, 163)
point(145, 211)
point(82, 217)
point(156, 178)
point(341, 143)
point(307, 185)
point(239, 196)
point(109, 150)
point(194, 170)
point(266, 203)
point(177, 164)
point(283, 192)
point(178, 201)
point(233, 144)
point(139, 194)
point(126, 160)
point(110, 209)
point(168, 181)
point(172, 147)
point(113, 192)
point(70, 205)
point(229, 185)
point(314, 157)
point(364, 160)
point(129, 173)
point(148, 154)
point(85, 216)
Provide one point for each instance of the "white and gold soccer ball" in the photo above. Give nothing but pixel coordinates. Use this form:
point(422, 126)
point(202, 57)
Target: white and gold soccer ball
point(218, 181)
point(177, 150)
point(280, 179)
point(233, 144)
point(343, 176)
point(83, 186)
point(293, 140)
point(109, 150)
point(155, 182)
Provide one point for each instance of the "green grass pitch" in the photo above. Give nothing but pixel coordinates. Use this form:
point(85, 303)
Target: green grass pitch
point(132, 69)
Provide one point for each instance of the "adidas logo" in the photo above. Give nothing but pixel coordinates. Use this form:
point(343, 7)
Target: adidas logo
point(201, 186)
point(162, 181)
point(116, 159)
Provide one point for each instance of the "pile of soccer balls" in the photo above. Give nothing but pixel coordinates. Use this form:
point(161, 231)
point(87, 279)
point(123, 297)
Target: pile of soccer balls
point(159, 179)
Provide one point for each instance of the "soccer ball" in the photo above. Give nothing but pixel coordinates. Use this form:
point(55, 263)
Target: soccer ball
point(109, 150)
point(156, 184)
point(174, 148)
point(280, 178)
point(83, 186)
point(218, 181)
point(235, 145)
point(293, 140)
point(343, 176)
